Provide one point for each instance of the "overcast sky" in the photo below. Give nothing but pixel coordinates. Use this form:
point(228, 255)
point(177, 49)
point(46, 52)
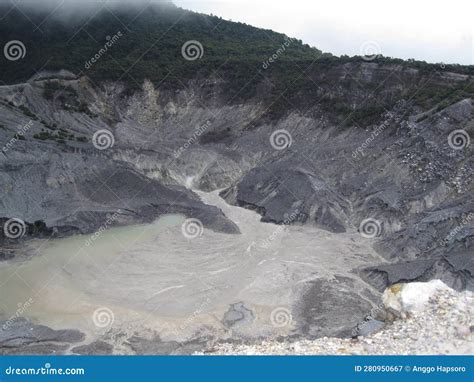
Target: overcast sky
point(434, 31)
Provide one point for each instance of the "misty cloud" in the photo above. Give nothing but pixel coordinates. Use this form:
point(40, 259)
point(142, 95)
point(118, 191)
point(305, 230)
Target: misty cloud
point(78, 4)
point(59, 8)
point(75, 11)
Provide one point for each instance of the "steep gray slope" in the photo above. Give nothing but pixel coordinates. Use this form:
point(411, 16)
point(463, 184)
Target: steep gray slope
point(403, 177)
point(53, 176)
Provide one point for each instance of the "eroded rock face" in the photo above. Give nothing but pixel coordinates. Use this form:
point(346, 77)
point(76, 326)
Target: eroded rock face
point(95, 192)
point(57, 175)
point(282, 193)
point(455, 271)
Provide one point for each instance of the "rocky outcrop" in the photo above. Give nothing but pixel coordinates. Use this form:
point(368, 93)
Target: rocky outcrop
point(281, 192)
point(56, 181)
point(20, 336)
point(456, 271)
point(332, 308)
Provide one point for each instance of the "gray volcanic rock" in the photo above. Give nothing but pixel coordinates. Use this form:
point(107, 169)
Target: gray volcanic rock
point(78, 194)
point(6, 255)
point(369, 327)
point(20, 336)
point(46, 348)
point(332, 308)
point(238, 314)
point(96, 191)
point(284, 191)
point(94, 348)
point(156, 346)
point(455, 271)
point(445, 229)
point(55, 176)
point(153, 346)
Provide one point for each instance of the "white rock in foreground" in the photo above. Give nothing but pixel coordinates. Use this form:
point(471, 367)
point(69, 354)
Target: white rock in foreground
point(409, 298)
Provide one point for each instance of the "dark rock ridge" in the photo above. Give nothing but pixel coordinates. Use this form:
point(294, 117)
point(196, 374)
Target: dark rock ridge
point(20, 336)
point(281, 189)
point(95, 348)
point(456, 271)
point(78, 194)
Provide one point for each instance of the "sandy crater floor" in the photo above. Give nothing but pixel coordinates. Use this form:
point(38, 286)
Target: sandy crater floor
point(151, 278)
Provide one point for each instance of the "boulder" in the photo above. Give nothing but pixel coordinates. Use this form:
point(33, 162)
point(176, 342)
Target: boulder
point(404, 299)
